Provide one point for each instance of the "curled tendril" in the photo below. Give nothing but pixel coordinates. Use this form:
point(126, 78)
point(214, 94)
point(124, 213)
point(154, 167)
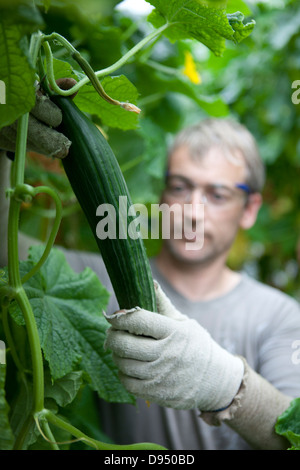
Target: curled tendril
point(90, 73)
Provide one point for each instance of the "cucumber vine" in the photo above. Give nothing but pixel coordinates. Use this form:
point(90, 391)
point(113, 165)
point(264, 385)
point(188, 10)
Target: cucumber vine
point(211, 26)
point(21, 192)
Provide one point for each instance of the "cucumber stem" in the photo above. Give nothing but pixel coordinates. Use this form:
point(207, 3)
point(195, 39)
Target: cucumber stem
point(92, 75)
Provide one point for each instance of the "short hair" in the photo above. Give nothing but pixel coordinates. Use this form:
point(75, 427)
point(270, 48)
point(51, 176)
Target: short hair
point(232, 138)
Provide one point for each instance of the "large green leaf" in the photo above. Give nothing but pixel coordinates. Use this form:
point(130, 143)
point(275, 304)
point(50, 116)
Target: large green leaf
point(68, 311)
point(191, 19)
point(119, 88)
point(16, 71)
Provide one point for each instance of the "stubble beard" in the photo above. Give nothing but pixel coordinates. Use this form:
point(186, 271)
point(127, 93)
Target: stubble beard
point(196, 258)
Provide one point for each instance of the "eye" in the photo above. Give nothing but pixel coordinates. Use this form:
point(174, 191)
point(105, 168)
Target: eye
point(218, 196)
point(177, 187)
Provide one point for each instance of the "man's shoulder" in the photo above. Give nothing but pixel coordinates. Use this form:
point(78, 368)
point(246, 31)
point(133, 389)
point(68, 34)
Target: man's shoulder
point(267, 295)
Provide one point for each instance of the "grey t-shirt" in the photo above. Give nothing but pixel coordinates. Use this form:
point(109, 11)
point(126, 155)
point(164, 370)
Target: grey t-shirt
point(252, 320)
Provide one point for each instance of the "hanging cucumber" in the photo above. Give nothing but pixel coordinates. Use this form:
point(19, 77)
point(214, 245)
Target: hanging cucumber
point(96, 178)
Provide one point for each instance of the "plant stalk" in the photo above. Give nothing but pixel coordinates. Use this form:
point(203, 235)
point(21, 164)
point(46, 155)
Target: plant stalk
point(13, 267)
point(57, 421)
point(101, 73)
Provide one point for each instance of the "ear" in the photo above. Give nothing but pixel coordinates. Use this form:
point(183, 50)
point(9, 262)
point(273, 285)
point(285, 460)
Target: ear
point(249, 215)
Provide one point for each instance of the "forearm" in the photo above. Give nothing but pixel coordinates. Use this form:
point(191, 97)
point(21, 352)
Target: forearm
point(254, 412)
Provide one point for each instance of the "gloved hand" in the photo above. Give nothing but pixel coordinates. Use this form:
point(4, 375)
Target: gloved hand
point(171, 360)
point(42, 136)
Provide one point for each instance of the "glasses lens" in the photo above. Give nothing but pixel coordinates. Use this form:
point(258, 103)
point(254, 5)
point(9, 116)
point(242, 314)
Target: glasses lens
point(219, 196)
point(178, 189)
point(215, 195)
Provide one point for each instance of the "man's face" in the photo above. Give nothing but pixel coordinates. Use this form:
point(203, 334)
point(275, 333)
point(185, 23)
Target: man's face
point(211, 180)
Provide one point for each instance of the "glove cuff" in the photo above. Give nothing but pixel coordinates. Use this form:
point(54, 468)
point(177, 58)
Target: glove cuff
point(253, 412)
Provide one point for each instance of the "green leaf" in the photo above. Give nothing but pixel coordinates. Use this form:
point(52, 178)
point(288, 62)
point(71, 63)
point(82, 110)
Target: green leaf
point(236, 5)
point(6, 435)
point(119, 88)
point(83, 414)
point(68, 311)
point(191, 19)
point(16, 71)
point(89, 101)
point(63, 69)
point(288, 424)
point(241, 31)
point(20, 412)
point(65, 389)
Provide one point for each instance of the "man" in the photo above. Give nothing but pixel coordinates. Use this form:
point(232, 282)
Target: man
point(216, 163)
point(216, 364)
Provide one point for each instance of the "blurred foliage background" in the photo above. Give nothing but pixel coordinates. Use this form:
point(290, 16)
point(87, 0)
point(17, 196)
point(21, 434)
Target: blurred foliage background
point(179, 84)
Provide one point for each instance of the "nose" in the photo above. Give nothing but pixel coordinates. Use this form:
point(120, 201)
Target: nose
point(197, 202)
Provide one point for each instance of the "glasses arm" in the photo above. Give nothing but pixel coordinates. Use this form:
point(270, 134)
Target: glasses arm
point(244, 187)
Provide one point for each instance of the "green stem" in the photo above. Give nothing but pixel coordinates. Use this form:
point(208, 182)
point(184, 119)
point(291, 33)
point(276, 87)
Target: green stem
point(51, 213)
point(57, 421)
point(49, 436)
point(132, 52)
point(13, 266)
point(20, 154)
point(163, 68)
point(91, 76)
point(14, 208)
point(35, 347)
point(35, 45)
point(10, 341)
point(53, 233)
point(50, 73)
point(99, 74)
point(131, 164)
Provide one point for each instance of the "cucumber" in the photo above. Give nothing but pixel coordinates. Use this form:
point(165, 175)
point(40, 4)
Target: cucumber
point(96, 178)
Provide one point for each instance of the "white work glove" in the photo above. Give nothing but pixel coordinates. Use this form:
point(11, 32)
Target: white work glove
point(42, 136)
point(171, 360)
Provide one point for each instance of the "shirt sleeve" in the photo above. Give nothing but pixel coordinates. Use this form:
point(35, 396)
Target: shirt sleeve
point(277, 359)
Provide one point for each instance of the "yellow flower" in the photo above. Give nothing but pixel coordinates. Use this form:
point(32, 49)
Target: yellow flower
point(190, 69)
